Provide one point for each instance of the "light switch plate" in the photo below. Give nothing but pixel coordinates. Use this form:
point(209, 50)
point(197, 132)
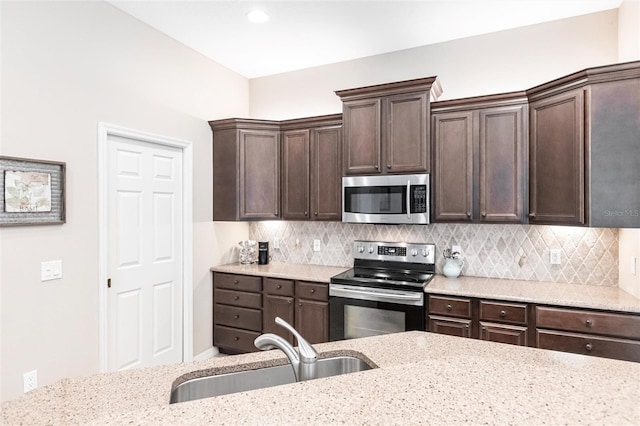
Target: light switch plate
point(456, 249)
point(634, 265)
point(555, 256)
point(316, 245)
point(51, 270)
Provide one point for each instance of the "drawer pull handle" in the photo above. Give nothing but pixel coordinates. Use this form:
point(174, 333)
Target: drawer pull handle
point(449, 307)
point(279, 286)
point(236, 338)
point(313, 290)
point(236, 281)
point(236, 297)
point(503, 314)
point(588, 323)
point(236, 316)
point(588, 346)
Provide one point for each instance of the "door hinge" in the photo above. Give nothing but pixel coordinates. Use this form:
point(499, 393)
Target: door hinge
point(108, 282)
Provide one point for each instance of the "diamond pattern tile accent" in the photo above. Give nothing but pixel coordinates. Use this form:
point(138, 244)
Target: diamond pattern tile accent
point(589, 255)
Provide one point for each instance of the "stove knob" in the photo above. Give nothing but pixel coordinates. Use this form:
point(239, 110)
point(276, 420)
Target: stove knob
point(425, 252)
point(414, 252)
point(360, 249)
point(370, 249)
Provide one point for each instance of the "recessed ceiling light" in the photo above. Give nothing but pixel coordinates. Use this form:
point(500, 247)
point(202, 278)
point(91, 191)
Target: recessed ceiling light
point(257, 16)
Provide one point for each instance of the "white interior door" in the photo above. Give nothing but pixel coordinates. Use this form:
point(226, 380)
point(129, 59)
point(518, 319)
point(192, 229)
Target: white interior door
point(144, 254)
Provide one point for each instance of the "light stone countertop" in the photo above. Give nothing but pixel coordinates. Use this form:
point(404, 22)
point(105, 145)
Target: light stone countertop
point(424, 378)
point(290, 271)
point(576, 295)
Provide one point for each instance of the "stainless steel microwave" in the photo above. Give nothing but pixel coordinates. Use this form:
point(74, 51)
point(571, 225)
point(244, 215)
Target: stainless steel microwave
point(392, 199)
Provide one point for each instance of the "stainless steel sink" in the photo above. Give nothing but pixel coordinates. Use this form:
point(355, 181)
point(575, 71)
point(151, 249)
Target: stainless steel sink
point(223, 384)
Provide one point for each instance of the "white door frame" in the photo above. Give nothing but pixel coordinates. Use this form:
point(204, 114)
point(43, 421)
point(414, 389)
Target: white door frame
point(104, 131)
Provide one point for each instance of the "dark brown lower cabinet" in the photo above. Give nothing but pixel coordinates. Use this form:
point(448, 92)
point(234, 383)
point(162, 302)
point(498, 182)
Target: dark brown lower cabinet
point(241, 315)
point(577, 330)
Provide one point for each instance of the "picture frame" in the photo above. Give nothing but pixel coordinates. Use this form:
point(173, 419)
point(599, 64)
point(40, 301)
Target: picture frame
point(32, 192)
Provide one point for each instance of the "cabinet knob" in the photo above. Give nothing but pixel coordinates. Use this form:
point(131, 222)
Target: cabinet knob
point(236, 338)
point(503, 314)
point(315, 213)
point(289, 302)
point(466, 326)
point(236, 297)
point(236, 316)
point(532, 215)
point(236, 281)
point(306, 214)
point(276, 213)
point(388, 166)
point(449, 307)
point(468, 214)
point(484, 330)
point(376, 167)
point(588, 346)
point(484, 214)
point(313, 290)
point(300, 304)
point(279, 286)
point(588, 323)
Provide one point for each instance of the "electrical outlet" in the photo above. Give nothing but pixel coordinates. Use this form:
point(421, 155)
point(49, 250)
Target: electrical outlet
point(51, 270)
point(633, 265)
point(30, 380)
point(456, 249)
point(276, 243)
point(555, 256)
point(316, 245)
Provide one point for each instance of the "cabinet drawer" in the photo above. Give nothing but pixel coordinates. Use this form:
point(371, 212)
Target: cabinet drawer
point(584, 321)
point(450, 306)
point(250, 319)
point(450, 326)
point(279, 287)
point(238, 298)
point(237, 282)
point(514, 313)
point(231, 338)
point(312, 291)
point(586, 344)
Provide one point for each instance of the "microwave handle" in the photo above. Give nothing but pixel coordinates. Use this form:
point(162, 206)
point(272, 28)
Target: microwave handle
point(408, 199)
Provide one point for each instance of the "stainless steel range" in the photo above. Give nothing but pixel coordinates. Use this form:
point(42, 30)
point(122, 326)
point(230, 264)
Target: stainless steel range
point(383, 292)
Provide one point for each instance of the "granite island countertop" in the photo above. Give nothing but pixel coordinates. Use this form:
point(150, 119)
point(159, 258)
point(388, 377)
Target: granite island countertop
point(423, 378)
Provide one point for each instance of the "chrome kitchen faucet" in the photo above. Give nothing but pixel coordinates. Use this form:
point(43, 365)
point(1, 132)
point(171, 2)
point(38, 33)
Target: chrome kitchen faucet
point(303, 361)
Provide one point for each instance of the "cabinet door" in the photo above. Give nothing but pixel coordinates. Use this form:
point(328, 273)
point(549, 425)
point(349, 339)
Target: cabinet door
point(502, 333)
point(277, 306)
point(361, 127)
point(453, 167)
point(556, 160)
point(406, 133)
point(295, 174)
point(312, 320)
point(501, 164)
point(259, 174)
point(451, 326)
point(326, 173)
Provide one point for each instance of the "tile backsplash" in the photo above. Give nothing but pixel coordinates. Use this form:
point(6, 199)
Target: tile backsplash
point(589, 255)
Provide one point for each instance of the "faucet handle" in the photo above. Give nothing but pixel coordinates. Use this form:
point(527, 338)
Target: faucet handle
point(307, 352)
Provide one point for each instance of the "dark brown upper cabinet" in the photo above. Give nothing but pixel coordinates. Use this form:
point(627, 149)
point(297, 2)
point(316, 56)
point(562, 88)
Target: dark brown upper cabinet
point(585, 148)
point(246, 169)
point(479, 149)
point(386, 127)
point(311, 168)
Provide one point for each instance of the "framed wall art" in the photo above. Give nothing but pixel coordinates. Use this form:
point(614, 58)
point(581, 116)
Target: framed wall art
point(32, 192)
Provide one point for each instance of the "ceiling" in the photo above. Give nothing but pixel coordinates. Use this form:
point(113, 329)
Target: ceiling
point(303, 34)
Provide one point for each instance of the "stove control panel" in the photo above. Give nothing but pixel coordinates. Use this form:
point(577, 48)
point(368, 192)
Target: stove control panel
point(397, 252)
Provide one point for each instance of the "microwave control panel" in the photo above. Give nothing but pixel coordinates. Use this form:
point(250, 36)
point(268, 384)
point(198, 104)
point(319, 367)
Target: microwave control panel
point(418, 199)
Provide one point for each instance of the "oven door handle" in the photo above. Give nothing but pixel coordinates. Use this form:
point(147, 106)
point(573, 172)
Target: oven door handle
point(414, 298)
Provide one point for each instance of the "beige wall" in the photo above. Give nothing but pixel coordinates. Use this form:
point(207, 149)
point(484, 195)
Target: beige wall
point(493, 63)
point(65, 67)
point(629, 247)
point(629, 31)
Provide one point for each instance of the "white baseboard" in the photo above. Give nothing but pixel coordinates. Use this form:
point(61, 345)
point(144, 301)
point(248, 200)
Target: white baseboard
point(209, 353)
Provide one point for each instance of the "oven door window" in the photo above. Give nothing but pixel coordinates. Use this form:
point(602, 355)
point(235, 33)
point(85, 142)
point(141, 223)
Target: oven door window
point(353, 318)
point(362, 321)
point(376, 199)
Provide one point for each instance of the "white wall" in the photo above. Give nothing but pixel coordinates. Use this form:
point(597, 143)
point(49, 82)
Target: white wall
point(65, 67)
point(629, 31)
point(493, 63)
point(629, 243)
